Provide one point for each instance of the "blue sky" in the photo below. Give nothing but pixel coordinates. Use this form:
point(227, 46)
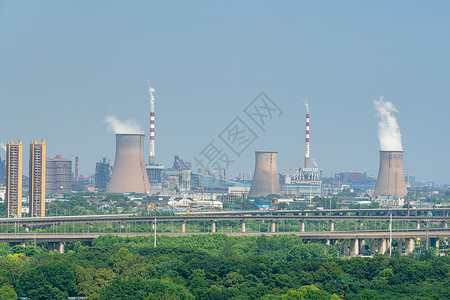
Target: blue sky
point(66, 65)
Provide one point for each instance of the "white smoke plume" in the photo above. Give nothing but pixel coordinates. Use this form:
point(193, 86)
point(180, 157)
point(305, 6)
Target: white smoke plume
point(388, 129)
point(307, 106)
point(119, 127)
point(152, 99)
point(3, 146)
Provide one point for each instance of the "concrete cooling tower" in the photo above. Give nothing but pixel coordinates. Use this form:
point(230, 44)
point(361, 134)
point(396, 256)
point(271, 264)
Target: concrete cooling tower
point(391, 181)
point(265, 181)
point(129, 174)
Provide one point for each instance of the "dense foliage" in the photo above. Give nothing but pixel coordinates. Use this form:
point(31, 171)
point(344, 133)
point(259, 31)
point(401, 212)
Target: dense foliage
point(216, 266)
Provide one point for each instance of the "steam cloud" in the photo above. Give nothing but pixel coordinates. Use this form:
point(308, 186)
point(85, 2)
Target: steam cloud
point(307, 106)
point(152, 99)
point(388, 129)
point(127, 127)
point(3, 146)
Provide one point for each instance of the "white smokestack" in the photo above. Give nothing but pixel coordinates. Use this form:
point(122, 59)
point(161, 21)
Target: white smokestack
point(119, 127)
point(388, 129)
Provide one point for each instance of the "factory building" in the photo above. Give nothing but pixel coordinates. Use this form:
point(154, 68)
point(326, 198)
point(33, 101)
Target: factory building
point(155, 174)
point(58, 175)
point(36, 187)
point(102, 174)
point(306, 189)
point(14, 179)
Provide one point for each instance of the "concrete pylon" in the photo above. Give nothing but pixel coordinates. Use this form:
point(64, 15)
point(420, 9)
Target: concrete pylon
point(265, 181)
point(382, 246)
point(129, 174)
point(409, 246)
point(354, 247)
point(391, 181)
point(362, 246)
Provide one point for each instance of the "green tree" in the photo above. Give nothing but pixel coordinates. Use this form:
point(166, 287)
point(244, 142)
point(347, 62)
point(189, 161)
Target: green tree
point(7, 292)
point(57, 274)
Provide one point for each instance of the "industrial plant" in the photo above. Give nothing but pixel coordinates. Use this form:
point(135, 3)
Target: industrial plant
point(180, 186)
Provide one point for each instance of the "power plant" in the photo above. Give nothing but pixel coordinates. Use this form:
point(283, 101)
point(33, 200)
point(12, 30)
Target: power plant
point(129, 174)
point(391, 180)
point(265, 181)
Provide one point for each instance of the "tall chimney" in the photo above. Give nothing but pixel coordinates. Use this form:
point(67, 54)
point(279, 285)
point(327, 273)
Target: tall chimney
point(129, 174)
point(152, 127)
point(307, 137)
point(391, 180)
point(265, 181)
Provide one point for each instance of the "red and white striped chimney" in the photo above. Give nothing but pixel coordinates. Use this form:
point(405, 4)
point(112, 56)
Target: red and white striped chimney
point(307, 137)
point(152, 126)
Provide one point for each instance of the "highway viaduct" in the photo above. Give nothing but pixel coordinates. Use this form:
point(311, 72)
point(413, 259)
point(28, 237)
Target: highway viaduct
point(353, 242)
point(380, 240)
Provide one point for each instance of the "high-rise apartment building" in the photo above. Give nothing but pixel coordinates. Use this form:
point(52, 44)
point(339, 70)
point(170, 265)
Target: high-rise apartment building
point(58, 175)
point(37, 179)
point(13, 179)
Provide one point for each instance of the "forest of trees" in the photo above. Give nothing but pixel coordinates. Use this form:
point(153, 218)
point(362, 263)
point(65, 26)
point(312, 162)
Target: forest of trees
point(216, 266)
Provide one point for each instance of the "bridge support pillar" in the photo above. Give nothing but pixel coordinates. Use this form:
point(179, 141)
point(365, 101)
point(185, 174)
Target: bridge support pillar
point(409, 246)
point(436, 243)
point(361, 225)
point(243, 226)
point(22, 243)
point(345, 247)
point(362, 246)
point(446, 225)
point(372, 247)
point(61, 247)
point(400, 245)
point(183, 226)
point(354, 247)
point(327, 242)
point(213, 226)
point(331, 225)
point(153, 225)
point(390, 225)
point(417, 225)
point(302, 226)
point(273, 226)
point(27, 229)
point(382, 246)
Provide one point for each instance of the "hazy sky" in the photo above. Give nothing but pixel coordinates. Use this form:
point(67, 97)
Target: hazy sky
point(66, 65)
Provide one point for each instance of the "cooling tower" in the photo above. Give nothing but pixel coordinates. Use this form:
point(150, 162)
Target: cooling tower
point(391, 181)
point(265, 181)
point(129, 174)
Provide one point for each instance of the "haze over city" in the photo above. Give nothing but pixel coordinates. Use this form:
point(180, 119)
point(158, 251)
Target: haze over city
point(66, 67)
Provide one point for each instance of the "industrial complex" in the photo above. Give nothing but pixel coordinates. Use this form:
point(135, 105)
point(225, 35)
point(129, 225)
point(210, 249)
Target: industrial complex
point(182, 187)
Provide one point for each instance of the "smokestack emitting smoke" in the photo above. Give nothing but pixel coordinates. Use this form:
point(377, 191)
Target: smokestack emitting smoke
point(388, 129)
point(152, 126)
point(127, 127)
point(391, 180)
point(307, 136)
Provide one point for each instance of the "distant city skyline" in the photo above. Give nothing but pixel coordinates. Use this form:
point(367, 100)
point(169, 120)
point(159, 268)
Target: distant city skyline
point(68, 66)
